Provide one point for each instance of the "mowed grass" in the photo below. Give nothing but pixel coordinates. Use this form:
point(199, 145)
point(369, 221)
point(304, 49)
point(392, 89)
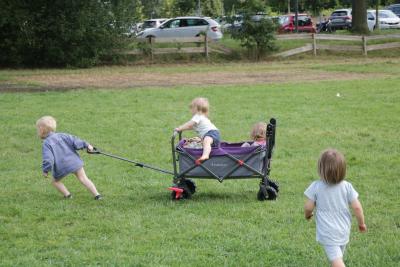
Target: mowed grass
point(223, 225)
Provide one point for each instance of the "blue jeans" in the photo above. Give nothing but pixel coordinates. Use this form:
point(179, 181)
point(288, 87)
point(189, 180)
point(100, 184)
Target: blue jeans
point(214, 134)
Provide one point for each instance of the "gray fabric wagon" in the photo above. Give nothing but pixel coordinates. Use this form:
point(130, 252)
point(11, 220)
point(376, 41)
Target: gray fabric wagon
point(228, 161)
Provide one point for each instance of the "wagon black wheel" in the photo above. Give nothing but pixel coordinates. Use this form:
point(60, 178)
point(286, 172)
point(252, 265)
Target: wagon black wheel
point(173, 195)
point(190, 185)
point(272, 194)
point(262, 193)
point(274, 185)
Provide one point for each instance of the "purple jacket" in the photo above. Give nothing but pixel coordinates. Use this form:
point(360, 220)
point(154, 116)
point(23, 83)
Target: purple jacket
point(60, 156)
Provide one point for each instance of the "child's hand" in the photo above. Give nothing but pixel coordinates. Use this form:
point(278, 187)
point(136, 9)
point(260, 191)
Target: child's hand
point(45, 174)
point(177, 130)
point(362, 228)
point(90, 148)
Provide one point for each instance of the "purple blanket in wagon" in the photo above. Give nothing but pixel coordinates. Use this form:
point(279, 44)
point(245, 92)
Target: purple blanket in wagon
point(223, 149)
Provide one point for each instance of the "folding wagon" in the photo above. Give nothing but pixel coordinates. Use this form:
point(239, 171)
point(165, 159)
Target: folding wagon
point(228, 161)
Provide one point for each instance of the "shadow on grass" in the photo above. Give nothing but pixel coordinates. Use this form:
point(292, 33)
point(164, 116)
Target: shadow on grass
point(207, 197)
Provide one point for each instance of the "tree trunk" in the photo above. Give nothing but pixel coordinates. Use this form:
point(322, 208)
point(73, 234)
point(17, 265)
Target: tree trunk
point(359, 22)
point(377, 15)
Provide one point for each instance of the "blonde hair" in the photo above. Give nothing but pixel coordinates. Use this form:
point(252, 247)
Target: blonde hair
point(46, 125)
point(332, 166)
point(200, 104)
point(259, 131)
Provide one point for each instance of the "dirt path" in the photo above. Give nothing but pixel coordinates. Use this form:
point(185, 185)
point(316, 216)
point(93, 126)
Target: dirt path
point(134, 78)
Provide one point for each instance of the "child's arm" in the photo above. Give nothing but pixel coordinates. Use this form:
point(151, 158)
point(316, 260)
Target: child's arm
point(78, 144)
point(187, 126)
point(48, 160)
point(308, 209)
point(358, 212)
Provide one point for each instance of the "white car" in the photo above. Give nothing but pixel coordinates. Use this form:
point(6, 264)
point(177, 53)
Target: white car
point(387, 19)
point(182, 27)
point(152, 23)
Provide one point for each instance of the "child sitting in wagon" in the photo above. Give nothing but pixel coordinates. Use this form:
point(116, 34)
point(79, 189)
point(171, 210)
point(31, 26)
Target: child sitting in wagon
point(258, 135)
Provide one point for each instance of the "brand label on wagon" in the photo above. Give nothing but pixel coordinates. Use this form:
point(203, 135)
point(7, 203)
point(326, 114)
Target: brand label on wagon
point(214, 164)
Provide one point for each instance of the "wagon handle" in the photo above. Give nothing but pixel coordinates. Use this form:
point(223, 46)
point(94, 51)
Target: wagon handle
point(173, 151)
point(94, 151)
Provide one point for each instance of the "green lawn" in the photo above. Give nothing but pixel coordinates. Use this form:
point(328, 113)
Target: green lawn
point(223, 225)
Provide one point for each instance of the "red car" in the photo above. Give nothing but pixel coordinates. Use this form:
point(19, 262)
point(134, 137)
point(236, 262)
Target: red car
point(287, 23)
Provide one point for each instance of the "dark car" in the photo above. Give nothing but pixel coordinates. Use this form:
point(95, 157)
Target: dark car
point(287, 23)
point(340, 19)
point(395, 9)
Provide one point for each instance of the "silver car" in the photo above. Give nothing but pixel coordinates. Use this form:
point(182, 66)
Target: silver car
point(182, 27)
point(387, 19)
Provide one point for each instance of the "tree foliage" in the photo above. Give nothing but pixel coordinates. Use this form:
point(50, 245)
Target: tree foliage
point(257, 35)
point(62, 33)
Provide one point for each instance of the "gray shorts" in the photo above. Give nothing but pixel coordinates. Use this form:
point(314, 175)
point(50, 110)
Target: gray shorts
point(334, 252)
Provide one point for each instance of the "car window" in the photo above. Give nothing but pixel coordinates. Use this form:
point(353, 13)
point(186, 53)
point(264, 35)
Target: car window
point(304, 21)
point(370, 16)
point(283, 20)
point(387, 14)
point(339, 14)
point(149, 24)
point(171, 24)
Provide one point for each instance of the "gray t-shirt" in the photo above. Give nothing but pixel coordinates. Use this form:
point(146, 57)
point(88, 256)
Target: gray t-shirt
point(332, 216)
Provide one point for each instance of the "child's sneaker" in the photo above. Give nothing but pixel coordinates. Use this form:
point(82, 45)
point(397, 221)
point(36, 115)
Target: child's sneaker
point(68, 196)
point(98, 197)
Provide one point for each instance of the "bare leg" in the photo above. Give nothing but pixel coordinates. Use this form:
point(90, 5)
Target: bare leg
point(338, 263)
point(207, 141)
point(81, 175)
point(60, 187)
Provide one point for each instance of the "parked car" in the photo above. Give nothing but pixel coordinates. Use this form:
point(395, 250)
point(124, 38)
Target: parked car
point(182, 27)
point(395, 9)
point(340, 19)
point(133, 30)
point(233, 23)
point(387, 19)
point(371, 21)
point(287, 23)
point(152, 23)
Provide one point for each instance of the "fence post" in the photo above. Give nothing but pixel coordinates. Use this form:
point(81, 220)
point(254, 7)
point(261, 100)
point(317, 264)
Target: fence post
point(151, 48)
point(364, 40)
point(314, 44)
point(206, 46)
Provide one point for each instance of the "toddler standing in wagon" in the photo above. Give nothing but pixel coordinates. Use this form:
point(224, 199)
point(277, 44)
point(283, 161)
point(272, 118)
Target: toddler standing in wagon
point(331, 197)
point(60, 156)
point(204, 128)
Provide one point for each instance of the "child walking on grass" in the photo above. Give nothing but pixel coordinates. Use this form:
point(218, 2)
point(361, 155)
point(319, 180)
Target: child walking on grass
point(204, 128)
point(331, 197)
point(60, 156)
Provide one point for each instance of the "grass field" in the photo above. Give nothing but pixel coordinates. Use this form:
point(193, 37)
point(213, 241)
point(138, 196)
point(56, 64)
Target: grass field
point(223, 225)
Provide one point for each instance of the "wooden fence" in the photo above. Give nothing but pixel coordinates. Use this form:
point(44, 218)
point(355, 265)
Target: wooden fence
point(363, 47)
point(202, 44)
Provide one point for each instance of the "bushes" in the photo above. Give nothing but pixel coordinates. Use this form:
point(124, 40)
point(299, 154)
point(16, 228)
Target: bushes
point(60, 33)
point(257, 36)
point(257, 33)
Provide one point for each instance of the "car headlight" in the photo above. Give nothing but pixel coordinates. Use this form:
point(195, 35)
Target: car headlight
point(139, 33)
point(383, 22)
